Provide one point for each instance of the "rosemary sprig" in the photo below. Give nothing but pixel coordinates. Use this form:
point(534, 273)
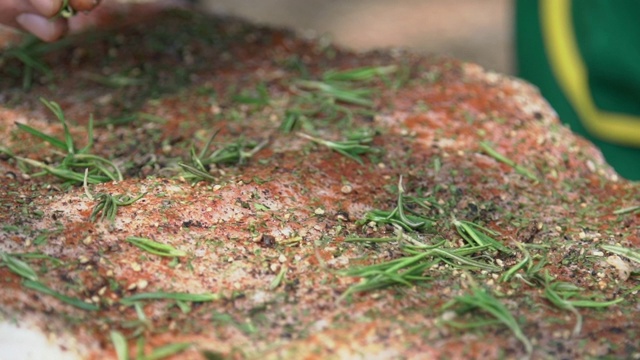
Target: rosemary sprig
point(391, 217)
point(197, 171)
point(237, 152)
point(108, 205)
point(518, 168)
point(120, 344)
point(66, 11)
point(398, 215)
point(279, 278)
point(160, 295)
point(155, 248)
point(194, 174)
point(359, 74)
point(561, 294)
point(479, 235)
point(627, 210)
point(122, 348)
point(623, 251)
point(29, 54)
point(139, 325)
point(166, 351)
point(341, 85)
point(259, 98)
point(338, 92)
point(70, 168)
point(38, 286)
point(483, 301)
point(409, 269)
point(355, 145)
point(18, 266)
point(527, 261)
point(37, 255)
point(370, 240)
point(338, 95)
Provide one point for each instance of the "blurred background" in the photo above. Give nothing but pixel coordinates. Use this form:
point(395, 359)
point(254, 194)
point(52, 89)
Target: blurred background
point(474, 30)
point(479, 31)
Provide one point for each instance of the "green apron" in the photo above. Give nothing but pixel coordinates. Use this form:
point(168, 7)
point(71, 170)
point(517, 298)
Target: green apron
point(585, 58)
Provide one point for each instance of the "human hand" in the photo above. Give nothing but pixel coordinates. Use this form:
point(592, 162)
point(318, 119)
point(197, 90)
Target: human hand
point(39, 17)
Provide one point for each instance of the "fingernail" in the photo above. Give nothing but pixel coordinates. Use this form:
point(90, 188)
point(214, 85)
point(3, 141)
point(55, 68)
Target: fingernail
point(40, 26)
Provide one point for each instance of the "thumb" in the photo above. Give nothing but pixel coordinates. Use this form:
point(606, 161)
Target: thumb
point(45, 29)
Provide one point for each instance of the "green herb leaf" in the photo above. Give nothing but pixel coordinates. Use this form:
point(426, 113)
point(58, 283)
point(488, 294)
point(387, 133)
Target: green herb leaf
point(170, 296)
point(475, 234)
point(483, 301)
point(278, 279)
point(38, 286)
point(237, 152)
point(18, 266)
point(359, 74)
point(50, 139)
point(71, 167)
point(154, 247)
point(560, 294)
point(167, 350)
point(627, 210)
point(351, 148)
point(398, 215)
point(108, 205)
point(623, 251)
point(496, 155)
point(120, 344)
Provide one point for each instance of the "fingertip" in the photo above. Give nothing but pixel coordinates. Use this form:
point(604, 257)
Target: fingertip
point(47, 8)
point(84, 5)
point(43, 28)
